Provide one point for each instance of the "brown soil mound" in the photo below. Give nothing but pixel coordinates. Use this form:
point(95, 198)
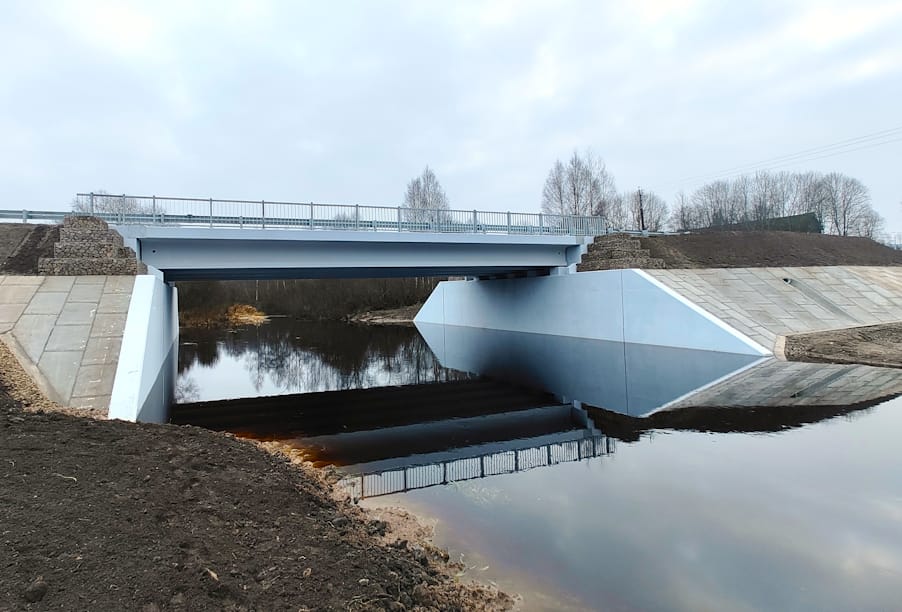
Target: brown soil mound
point(107, 515)
point(768, 249)
point(21, 246)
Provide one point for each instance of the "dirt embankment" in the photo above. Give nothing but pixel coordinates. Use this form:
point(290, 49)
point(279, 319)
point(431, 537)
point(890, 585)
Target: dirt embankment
point(875, 345)
point(22, 245)
point(107, 515)
point(768, 249)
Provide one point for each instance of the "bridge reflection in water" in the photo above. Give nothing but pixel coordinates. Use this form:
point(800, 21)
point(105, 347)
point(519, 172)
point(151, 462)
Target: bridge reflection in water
point(543, 400)
point(420, 476)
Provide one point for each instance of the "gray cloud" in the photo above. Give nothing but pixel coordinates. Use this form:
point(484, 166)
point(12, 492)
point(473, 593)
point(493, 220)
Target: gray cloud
point(347, 102)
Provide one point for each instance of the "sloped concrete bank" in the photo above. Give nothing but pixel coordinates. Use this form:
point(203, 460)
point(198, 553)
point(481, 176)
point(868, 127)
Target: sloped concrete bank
point(66, 331)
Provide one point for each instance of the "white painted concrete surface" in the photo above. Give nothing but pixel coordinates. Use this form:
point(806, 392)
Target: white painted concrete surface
point(614, 305)
point(148, 361)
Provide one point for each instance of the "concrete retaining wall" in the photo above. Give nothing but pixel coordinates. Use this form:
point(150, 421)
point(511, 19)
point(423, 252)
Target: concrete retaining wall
point(148, 361)
point(616, 305)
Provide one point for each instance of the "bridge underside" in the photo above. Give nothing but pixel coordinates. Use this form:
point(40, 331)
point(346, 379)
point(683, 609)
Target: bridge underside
point(226, 254)
point(356, 272)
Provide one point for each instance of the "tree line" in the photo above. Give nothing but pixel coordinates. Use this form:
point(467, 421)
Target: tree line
point(584, 186)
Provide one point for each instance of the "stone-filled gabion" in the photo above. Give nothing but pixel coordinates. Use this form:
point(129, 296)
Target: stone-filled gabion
point(88, 247)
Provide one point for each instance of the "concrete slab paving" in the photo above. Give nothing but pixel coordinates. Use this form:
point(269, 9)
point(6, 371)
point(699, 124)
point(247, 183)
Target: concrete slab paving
point(60, 368)
point(94, 380)
point(106, 325)
point(46, 303)
point(103, 350)
point(58, 283)
point(70, 330)
point(119, 284)
point(18, 294)
point(758, 303)
point(77, 313)
point(23, 280)
point(10, 313)
point(68, 338)
point(90, 280)
point(114, 303)
point(86, 293)
point(32, 331)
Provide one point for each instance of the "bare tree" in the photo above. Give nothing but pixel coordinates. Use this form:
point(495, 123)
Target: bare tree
point(581, 187)
point(683, 215)
point(847, 202)
point(425, 200)
point(841, 203)
point(106, 203)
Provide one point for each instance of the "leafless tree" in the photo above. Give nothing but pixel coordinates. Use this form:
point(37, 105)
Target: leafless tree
point(582, 186)
point(847, 202)
point(841, 203)
point(105, 202)
point(425, 200)
point(683, 215)
point(654, 211)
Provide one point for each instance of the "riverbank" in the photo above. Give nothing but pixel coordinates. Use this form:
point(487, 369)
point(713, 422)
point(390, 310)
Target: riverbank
point(387, 316)
point(874, 345)
point(108, 515)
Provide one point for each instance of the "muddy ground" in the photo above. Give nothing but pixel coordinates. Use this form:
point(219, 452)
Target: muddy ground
point(875, 345)
point(107, 515)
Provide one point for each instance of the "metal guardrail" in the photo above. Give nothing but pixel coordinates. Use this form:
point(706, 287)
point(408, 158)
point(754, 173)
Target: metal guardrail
point(387, 482)
point(268, 214)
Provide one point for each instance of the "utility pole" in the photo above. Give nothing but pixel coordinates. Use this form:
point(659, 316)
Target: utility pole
point(641, 212)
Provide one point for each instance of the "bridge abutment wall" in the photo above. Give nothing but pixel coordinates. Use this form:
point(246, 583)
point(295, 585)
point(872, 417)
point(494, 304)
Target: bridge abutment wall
point(148, 361)
point(615, 305)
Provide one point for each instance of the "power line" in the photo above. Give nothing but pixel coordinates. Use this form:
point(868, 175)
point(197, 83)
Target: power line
point(874, 139)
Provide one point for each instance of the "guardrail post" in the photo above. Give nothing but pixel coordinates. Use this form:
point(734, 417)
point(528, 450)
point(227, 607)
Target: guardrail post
point(211, 212)
point(570, 224)
point(311, 215)
point(153, 209)
point(356, 216)
point(475, 222)
point(541, 224)
point(508, 222)
point(91, 207)
point(399, 218)
point(263, 213)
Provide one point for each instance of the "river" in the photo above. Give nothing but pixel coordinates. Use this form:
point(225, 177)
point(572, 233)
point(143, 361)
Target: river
point(594, 476)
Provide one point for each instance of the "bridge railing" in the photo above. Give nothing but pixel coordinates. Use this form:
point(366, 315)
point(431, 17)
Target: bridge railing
point(374, 484)
point(263, 213)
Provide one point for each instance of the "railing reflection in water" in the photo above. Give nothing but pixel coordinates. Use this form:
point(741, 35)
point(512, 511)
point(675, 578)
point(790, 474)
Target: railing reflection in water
point(375, 484)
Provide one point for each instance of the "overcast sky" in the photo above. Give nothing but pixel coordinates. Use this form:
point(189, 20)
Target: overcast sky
point(347, 101)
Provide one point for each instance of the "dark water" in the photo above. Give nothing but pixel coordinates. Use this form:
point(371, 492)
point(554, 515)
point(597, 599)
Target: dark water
point(589, 475)
point(288, 356)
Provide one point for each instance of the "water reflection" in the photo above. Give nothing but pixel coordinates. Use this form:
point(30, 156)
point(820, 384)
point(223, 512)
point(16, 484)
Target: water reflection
point(794, 509)
point(632, 379)
point(288, 356)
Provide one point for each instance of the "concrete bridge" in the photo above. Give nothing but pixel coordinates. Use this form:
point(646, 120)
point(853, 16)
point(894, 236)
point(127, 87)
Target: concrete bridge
point(525, 264)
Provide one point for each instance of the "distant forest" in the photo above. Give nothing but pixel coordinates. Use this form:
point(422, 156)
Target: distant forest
point(320, 299)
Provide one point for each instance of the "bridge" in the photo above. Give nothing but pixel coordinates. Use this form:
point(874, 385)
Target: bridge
point(208, 239)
